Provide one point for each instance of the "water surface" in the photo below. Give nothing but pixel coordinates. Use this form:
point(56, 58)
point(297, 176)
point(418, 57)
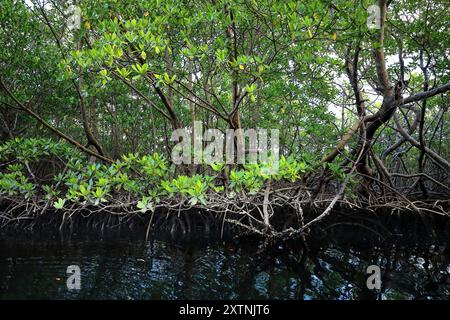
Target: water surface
point(136, 269)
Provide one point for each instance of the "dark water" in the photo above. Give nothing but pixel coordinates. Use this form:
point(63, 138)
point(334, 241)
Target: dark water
point(134, 269)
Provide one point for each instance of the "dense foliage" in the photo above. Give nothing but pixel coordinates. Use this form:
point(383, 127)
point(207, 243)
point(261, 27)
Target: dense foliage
point(86, 113)
point(145, 179)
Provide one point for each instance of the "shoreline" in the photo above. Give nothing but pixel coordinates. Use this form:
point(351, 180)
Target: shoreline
point(180, 220)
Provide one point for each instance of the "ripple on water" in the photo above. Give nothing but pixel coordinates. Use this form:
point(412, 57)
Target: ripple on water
point(140, 270)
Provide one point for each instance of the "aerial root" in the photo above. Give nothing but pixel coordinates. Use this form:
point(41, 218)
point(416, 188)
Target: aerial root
point(272, 213)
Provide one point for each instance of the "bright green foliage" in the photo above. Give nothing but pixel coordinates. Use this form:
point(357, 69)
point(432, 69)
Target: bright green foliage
point(194, 187)
point(290, 169)
point(145, 205)
point(147, 177)
point(27, 150)
point(59, 204)
point(13, 182)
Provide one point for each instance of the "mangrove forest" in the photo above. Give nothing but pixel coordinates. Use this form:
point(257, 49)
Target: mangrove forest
point(276, 122)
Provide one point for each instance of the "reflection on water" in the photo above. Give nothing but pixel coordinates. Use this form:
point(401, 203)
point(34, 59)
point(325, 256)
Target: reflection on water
point(131, 269)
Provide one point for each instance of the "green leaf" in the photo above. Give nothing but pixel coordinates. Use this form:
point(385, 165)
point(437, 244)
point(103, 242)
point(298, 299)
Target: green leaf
point(59, 204)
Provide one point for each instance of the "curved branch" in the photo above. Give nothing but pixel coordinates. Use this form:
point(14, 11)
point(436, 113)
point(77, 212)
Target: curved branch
point(51, 128)
point(426, 94)
point(416, 144)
